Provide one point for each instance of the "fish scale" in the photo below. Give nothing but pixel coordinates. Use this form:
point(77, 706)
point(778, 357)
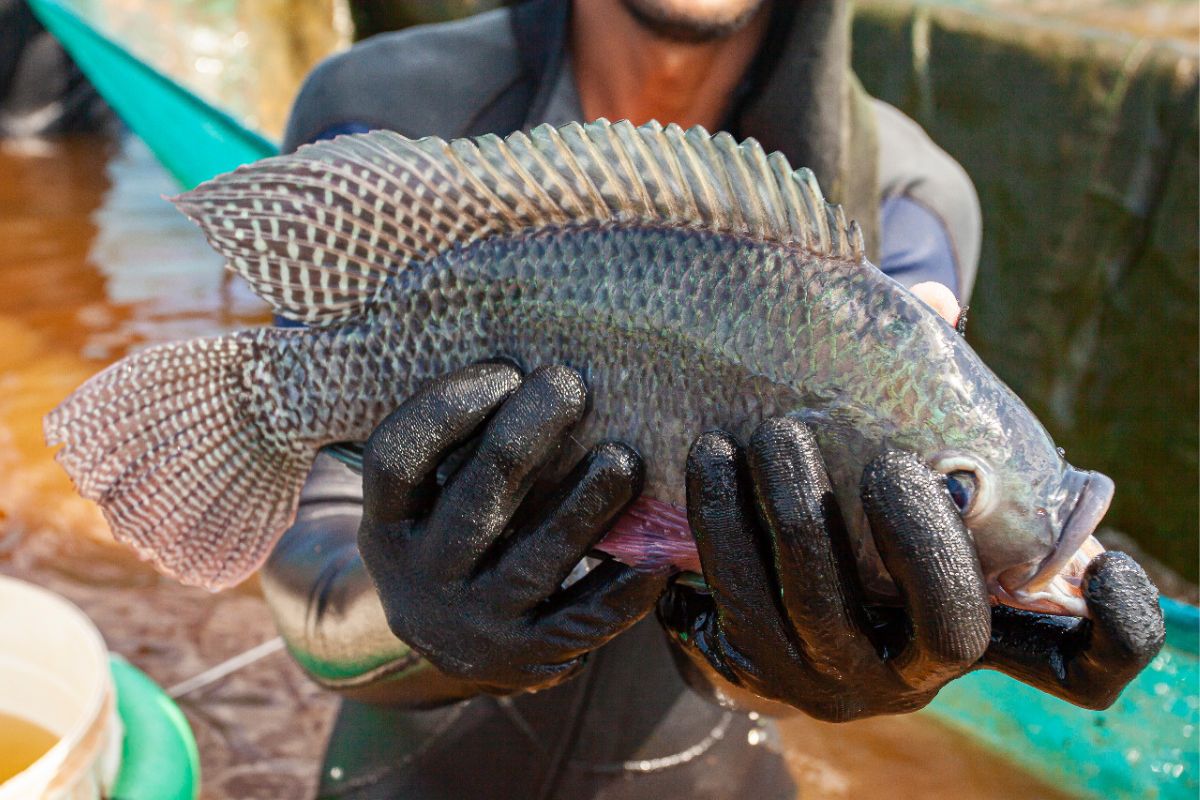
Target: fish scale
point(696, 282)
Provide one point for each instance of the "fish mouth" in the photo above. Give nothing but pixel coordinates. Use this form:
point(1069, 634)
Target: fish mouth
point(1055, 587)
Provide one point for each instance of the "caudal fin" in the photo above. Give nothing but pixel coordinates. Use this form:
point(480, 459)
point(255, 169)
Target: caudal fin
point(167, 442)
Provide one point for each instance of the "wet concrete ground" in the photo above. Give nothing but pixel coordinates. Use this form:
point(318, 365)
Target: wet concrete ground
point(94, 263)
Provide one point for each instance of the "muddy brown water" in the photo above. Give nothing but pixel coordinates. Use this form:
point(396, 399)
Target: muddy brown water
point(93, 263)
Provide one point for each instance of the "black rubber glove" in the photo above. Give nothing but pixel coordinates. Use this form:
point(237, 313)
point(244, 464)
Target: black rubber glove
point(467, 581)
point(1084, 661)
point(786, 620)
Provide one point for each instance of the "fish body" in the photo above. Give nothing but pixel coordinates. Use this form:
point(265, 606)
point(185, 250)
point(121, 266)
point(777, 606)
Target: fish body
point(729, 294)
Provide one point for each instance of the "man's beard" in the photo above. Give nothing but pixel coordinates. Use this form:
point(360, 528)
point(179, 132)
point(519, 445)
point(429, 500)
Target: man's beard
point(679, 26)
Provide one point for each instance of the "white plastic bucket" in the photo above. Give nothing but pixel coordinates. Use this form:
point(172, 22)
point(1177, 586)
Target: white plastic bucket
point(54, 672)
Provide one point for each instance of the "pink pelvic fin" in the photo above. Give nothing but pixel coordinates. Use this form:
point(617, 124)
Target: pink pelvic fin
point(653, 536)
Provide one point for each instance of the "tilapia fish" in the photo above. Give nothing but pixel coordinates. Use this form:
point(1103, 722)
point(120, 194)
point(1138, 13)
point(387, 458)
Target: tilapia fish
point(695, 281)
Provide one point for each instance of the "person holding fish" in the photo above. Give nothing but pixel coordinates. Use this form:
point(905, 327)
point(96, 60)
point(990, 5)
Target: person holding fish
point(873, 516)
point(777, 71)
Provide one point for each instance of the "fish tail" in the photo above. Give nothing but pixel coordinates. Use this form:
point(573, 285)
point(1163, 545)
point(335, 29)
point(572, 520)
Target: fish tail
point(175, 445)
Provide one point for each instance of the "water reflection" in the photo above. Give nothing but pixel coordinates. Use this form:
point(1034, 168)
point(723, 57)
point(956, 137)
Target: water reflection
point(93, 262)
point(155, 261)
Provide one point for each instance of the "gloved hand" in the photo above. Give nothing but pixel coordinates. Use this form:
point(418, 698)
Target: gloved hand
point(467, 579)
point(786, 620)
point(1084, 661)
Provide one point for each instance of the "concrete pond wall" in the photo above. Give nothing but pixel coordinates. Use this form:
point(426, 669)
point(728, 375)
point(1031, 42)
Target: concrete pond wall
point(1082, 144)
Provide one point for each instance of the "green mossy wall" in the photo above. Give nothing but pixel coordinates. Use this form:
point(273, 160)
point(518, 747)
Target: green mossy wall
point(1083, 147)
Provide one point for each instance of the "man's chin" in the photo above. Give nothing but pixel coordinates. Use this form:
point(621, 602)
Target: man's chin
point(693, 22)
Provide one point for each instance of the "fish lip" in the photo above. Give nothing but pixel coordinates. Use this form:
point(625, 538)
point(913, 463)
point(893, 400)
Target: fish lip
point(1091, 504)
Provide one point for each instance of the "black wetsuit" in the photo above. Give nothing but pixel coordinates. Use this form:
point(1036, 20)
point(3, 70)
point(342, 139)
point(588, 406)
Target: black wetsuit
point(628, 726)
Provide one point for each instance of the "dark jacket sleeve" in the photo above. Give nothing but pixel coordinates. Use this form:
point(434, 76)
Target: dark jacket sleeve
point(931, 222)
point(326, 607)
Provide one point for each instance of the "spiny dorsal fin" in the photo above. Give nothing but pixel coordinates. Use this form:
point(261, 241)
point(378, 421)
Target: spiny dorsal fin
point(318, 232)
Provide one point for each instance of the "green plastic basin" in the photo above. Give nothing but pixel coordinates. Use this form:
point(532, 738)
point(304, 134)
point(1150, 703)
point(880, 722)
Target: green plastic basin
point(159, 760)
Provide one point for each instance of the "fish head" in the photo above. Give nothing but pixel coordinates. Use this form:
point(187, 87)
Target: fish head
point(1031, 514)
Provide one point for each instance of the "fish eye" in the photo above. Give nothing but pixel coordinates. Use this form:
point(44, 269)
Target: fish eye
point(962, 486)
point(970, 482)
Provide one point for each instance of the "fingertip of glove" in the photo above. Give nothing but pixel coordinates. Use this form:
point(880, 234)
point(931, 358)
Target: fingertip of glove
point(617, 462)
point(899, 479)
point(493, 380)
point(712, 447)
point(1116, 573)
point(782, 438)
point(1123, 600)
point(563, 384)
point(893, 468)
point(503, 361)
point(712, 477)
point(780, 428)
